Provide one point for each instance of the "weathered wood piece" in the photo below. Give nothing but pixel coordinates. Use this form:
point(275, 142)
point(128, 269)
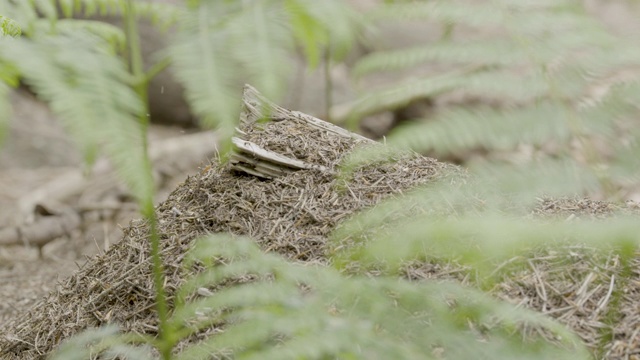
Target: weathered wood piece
point(255, 160)
point(271, 156)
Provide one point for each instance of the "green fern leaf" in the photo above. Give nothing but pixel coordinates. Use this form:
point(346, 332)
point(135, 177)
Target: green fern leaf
point(204, 65)
point(459, 129)
point(500, 52)
point(402, 94)
point(338, 20)
point(9, 27)
point(92, 7)
point(262, 49)
point(21, 13)
point(493, 188)
point(488, 233)
point(483, 14)
point(505, 86)
point(110, 33)
point(104, 340)
point(47, 8)
point(161, 14)
point(553, 177)
point(89, 90)
point(79, 348)
point(308, 31)
point(273, 317)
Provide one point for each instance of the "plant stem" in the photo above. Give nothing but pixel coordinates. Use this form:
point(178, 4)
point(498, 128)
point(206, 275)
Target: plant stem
point(136, 67)
point(156, 69)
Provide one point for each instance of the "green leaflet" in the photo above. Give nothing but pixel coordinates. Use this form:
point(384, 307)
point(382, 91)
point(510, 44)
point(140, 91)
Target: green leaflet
point(309, 32)
point(88, 88)
point(9, 27)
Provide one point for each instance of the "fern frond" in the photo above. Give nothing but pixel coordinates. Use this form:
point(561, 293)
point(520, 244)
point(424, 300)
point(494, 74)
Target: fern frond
point(532, 18)
point(537, 5)
point(263, 48)
point(200, 53)
point(338, 20)
point(501, 236)
point(624, 167)
point(9, 27)
point(625, 163)
point(161, 14)
point(605, 114)
point(80, 346)
point(495, 52)
point(600, 69)
point(494, 188)
point(22, 13)
point(91, 7)
point(506, 86)
point(500, 52)
point(47, 8)
point(9, 76)
point(110, 33)
point(402, 94)
point(466, 128)
point(106, 340)
point(294, 311)
point(551, 23)
point(89, 89)
point(521, 184)
point(310, 33)
point(215, 51)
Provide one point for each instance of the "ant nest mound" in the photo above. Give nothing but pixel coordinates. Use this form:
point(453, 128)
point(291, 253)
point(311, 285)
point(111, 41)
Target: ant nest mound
point(282, 187)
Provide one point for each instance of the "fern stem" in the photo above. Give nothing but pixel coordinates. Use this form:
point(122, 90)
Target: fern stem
point(136, 67)
point(156, 69)
point(165, 344)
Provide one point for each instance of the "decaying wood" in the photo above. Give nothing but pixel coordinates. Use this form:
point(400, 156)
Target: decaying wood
point(252, 159)
point(275, 162)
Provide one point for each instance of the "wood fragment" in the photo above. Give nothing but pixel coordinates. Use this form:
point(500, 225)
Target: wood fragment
point(272, 157)
point(254, 159)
